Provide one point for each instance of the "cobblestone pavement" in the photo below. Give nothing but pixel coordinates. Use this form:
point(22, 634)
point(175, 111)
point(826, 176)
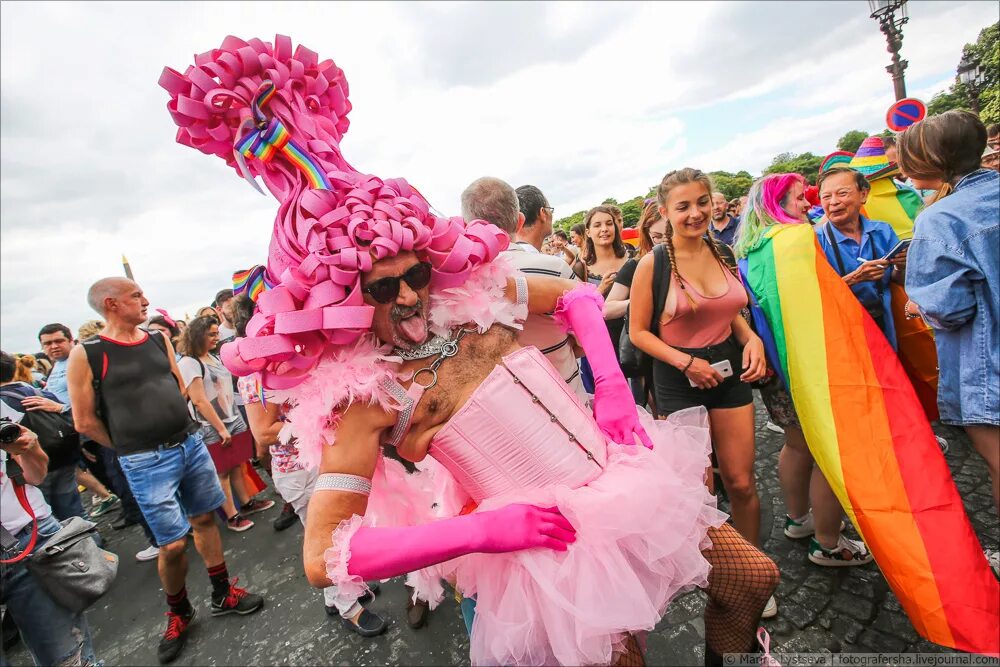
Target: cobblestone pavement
point(821, 609)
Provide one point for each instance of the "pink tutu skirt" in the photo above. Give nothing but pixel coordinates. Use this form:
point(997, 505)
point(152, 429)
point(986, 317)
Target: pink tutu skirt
point(641, 527)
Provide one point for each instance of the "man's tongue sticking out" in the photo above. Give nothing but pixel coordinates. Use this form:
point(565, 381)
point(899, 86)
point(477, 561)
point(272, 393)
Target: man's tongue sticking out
point(413, 328)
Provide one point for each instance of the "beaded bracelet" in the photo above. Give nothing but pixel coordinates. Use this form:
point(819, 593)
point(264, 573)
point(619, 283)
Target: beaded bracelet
point(690, 361)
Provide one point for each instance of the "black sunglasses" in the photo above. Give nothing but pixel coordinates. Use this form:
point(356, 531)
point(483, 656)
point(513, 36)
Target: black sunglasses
point(385, 290)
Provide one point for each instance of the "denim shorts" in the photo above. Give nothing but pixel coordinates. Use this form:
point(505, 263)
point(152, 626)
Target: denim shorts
point(172, 484)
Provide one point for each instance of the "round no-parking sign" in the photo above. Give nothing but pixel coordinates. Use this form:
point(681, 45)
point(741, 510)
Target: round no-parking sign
point(905, 113)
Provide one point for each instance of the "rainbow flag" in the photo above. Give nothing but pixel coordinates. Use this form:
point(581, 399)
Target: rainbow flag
point(895, 204)
point(869, 435)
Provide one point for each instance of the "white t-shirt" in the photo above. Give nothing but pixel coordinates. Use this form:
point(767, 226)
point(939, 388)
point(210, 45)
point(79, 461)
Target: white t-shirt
point(12, 515)
point(218, 383)
point(541, 330)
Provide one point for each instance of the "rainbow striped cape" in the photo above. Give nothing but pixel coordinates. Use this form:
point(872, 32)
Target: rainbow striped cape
point(869, 435)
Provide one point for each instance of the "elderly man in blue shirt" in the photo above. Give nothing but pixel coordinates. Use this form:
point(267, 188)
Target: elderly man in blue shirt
point(855, 245)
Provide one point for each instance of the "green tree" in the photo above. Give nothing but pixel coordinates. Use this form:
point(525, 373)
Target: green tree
point(631, 211)
point(946, 100)
point(985, 51)
point(567, 223)
point(851, 141)
point(731, 185)
point(806, 164)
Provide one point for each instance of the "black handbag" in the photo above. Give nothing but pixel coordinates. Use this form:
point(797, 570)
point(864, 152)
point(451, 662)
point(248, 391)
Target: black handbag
point(633, 361)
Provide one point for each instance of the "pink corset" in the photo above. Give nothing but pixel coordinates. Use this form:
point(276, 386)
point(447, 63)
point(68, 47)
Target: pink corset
point(522, 428)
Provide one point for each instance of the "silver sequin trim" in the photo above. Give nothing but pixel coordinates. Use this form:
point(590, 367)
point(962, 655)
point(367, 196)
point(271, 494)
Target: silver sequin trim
point(407, 406)
point(521, 285)
point(331, 481)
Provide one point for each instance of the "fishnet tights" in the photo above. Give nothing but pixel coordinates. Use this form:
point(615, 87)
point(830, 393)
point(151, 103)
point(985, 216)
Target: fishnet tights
point(632, 656)
point(739, 585)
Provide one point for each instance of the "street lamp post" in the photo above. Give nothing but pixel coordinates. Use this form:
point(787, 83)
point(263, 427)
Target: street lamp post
point(972, 75)
point(884, 11)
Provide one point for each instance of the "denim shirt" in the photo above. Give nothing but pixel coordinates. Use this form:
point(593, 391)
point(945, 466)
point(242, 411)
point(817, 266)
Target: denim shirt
point(877, 239)
point(953, 275)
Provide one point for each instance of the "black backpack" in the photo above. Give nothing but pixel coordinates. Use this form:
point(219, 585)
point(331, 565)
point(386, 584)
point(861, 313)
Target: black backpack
point(55, 433)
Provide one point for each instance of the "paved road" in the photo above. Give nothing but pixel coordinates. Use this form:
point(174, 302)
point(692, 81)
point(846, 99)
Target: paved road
point(821, 609)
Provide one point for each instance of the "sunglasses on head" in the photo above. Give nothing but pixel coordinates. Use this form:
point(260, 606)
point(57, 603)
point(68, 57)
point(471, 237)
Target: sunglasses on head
point(385, 290)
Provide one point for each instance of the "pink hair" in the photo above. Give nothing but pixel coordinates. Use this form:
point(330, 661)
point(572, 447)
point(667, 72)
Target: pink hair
point(323, 239)
point(763, 209)
point(773, 191)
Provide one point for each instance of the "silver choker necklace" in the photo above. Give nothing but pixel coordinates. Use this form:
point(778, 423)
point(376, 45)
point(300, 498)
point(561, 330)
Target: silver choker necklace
point(429, 348)
point(439, 345)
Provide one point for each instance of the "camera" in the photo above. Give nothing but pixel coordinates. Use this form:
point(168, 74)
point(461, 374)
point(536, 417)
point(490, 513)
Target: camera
point(9, 431)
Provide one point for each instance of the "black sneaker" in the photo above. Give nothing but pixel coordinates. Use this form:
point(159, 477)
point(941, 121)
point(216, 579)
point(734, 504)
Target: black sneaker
point(286, 518)
point(173, 639)
point(237, 601)
point(369, 624)
point(369, 596)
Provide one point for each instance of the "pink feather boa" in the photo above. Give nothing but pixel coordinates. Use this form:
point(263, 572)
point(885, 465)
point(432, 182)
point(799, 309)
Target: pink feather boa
point(355, 372)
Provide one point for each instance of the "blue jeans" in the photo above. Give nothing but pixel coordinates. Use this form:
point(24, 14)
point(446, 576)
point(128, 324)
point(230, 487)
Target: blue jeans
point(171, 484)
point(130, 510)
point(52, 633)
point(60, 490)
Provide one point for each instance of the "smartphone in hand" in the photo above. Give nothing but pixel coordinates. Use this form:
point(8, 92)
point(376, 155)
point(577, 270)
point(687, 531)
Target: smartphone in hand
point(724, 367)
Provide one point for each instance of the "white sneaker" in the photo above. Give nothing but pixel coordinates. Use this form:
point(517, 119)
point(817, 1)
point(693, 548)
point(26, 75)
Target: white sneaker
point(770, 609)
point(796, 529)
point(149, 553)
point(771, 426)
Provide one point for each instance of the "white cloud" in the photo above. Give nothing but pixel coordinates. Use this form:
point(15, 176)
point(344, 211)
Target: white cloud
point(585, 100)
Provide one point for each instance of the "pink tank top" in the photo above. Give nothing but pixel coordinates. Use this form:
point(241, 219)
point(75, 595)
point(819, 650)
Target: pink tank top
point(710, 322)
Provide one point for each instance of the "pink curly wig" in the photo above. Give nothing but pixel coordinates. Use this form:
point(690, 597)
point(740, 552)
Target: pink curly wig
point(324, 236)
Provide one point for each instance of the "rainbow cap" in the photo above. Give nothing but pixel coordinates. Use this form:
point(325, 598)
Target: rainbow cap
point(871, 161)
point(836, 159)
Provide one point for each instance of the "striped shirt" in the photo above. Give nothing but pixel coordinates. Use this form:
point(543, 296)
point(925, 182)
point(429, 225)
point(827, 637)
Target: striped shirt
point(541, 330)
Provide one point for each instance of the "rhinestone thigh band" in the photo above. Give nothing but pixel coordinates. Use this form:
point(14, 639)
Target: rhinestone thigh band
point(338, 482)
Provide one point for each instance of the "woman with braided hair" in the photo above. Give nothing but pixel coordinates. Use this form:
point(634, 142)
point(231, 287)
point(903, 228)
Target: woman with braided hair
point(704, 353)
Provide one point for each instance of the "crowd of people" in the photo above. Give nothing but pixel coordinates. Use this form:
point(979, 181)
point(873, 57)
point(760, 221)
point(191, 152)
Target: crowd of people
point(519, 411)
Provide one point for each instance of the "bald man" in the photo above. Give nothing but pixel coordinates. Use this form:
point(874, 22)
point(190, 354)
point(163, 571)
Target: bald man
point(144, 418)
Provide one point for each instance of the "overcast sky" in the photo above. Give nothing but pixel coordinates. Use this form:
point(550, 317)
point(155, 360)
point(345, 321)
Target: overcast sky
point(584, 100)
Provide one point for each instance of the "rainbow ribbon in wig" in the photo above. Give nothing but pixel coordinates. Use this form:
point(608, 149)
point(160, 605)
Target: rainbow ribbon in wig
point(269, 138)
point(865, 428)
point(252, 282)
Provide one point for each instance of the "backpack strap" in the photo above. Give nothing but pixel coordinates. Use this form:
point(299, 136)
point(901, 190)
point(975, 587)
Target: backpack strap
point(662, 272)
point(96, 355)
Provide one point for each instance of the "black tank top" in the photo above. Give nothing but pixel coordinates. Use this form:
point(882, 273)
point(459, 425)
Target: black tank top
point(138, 396)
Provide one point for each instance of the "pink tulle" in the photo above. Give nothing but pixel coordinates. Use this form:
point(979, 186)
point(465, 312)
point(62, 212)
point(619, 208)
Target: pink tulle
point(641, 527)
point(349, 587)
point(582, 291)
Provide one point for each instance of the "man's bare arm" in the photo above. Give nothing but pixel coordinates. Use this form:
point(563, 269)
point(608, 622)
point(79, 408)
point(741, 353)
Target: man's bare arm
point(355, 452)
point(543, 292)
point(79, 379)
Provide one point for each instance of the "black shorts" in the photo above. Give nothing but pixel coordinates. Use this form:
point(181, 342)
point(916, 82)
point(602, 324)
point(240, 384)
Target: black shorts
point(674, 392)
